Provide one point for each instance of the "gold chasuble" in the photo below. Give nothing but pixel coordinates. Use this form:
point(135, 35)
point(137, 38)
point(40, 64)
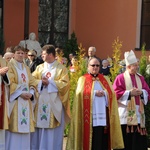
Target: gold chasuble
point(3, 100)
point(16, 84)
point(80, 134)
point(61, 80)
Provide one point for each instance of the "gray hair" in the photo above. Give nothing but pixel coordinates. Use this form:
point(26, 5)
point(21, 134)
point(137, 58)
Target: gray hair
point(105, 61)
point(93, 48)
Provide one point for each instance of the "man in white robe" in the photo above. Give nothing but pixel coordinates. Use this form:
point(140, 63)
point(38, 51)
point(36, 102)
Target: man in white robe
point(22, 87)
point(52, 108)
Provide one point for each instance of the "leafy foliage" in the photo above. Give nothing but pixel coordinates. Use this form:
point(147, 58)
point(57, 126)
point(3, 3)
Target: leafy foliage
point(82, 69)
point(71, 46)
point(142, 70)
point(143, 62)
point(114, 70)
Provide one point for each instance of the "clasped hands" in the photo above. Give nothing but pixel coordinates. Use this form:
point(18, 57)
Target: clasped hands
point(100, 93)
point(26, 96)
point(135, 92)
point(3, 70)
point(45, 81)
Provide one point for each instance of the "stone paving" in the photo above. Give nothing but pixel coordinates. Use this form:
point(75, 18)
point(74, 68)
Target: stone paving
point(64, 143)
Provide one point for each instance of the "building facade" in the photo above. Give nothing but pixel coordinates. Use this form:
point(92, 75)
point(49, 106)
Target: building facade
point(95, 23)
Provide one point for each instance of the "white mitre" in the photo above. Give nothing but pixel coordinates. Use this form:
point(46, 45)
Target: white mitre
point(130, 58)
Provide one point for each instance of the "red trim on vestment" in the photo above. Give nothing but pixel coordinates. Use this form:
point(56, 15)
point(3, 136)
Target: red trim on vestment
point(87, 106)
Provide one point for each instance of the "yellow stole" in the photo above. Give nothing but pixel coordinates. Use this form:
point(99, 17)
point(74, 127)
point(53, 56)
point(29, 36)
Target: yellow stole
point(131, 107)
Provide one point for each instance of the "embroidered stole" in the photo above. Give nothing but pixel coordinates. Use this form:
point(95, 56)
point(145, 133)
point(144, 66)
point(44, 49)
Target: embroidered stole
point(23, 105)
point(49, 102)
point(131, 107)
point(44, 110)
point(87, 106)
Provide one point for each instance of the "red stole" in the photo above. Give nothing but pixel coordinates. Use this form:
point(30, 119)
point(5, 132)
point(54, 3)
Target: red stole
point(87, 119)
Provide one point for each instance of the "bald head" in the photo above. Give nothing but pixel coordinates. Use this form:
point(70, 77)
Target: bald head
point(93, 66)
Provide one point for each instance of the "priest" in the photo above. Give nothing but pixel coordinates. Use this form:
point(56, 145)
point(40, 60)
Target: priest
point(52, 108)
point(23, 93)
point(132, 94)
point(95, 121)
point(4, 82)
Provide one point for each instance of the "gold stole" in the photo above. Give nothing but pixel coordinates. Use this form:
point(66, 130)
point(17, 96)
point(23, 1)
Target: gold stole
point(3, 107)
point(131, 107)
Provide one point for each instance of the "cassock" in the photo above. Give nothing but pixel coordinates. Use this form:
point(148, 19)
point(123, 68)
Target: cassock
point(134, 132)
point(89, 113)
point(21, 121)
point(52, 108)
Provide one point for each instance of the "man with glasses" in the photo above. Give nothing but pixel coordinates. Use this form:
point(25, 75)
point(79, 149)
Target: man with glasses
point(95, 121)
point(33, 61)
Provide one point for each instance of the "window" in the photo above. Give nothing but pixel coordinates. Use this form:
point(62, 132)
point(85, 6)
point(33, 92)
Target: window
point(145, 24)
point(53, 21)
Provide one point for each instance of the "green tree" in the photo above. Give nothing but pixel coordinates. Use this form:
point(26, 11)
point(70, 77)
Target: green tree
point(142, 70)
point(82, 64)
point(114, 70)
point(71, 45)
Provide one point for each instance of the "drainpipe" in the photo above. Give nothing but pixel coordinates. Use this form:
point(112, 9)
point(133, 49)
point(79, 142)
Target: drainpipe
point(26, 19)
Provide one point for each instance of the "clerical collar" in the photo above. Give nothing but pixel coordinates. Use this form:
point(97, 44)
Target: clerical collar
point(104, 67)
point(20, 65)
point(50, 64)
point(94, 75)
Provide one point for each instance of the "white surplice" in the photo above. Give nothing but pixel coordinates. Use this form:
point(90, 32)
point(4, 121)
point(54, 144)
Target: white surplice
point(48, 139)
point(99, 107)
point(19, 141)
point(45, 138)
point(2, 139)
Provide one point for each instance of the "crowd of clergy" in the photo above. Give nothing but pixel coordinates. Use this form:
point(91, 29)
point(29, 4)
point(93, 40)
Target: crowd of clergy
point(35, 105)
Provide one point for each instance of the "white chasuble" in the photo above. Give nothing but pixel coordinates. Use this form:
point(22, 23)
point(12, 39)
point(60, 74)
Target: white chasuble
point(48, 100)
point(99, 107)
point(23, 105)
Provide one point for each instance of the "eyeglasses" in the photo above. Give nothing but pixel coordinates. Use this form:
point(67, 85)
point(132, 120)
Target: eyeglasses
point(95, 65)
point(31, 55)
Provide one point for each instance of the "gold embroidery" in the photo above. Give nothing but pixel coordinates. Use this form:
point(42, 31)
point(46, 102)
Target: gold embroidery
point(86, 97)
point(95, 79)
